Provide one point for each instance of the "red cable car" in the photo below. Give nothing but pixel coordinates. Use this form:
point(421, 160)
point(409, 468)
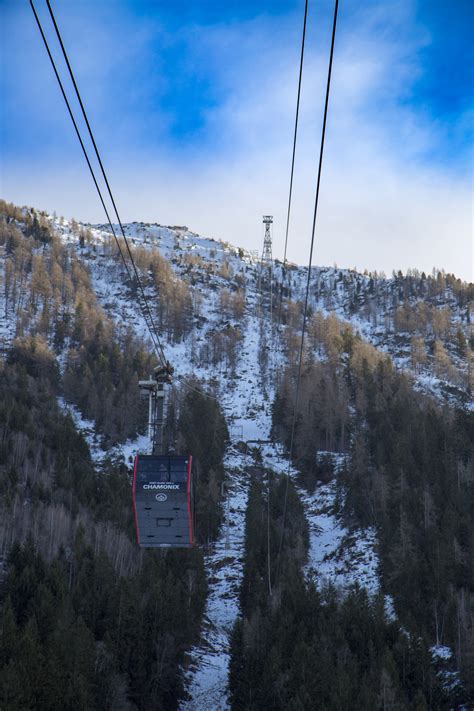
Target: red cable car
point(163, 504)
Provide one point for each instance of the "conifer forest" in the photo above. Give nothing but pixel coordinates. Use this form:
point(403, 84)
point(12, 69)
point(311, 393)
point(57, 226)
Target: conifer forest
point(342, 579)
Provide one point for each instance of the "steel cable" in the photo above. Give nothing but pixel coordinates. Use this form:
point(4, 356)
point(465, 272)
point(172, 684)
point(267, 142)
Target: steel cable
point(145, 308)
point(305, 312)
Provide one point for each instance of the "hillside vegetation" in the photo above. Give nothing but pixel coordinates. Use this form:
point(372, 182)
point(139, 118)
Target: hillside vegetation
point(88, 621)
point(354, 587)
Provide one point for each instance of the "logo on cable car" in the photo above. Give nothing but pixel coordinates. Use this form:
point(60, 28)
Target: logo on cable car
point(165, 485)
point(161, 497)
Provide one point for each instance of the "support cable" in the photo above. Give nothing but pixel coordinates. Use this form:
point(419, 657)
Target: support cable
point(145, 308)
point(269, 561)
point(305, 313)
point(296, 131)
point(290, 192)
point(137, 276)
point(77, 132)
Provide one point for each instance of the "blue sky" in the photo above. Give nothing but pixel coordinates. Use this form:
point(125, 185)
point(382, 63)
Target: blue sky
point(192, 105)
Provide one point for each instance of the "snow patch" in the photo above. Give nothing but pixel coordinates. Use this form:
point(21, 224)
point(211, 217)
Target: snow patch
point(208, 668)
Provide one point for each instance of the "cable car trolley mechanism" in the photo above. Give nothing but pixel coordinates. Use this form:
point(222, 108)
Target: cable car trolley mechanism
point(162, 486)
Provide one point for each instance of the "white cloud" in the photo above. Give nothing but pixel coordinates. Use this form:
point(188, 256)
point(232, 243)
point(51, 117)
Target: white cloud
point(383, 203)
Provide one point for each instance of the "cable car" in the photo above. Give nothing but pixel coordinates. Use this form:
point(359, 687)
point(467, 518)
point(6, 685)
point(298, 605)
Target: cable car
point(162, 492)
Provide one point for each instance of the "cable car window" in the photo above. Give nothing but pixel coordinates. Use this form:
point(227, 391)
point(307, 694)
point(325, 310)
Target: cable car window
point(146, 469)
point(147, 465)
point(162, 474)
point(179, 471)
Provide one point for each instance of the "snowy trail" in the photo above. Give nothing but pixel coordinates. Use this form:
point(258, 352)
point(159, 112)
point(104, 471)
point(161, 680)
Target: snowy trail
point(334, 555)
point(207, 675)
point(209, 661)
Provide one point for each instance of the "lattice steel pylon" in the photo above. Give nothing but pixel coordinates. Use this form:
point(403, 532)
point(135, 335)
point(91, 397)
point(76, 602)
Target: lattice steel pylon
point(265, 277)
point(267, 241)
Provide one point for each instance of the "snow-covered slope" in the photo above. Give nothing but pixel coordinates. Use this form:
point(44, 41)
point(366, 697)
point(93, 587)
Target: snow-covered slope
point(246, 390)
point(384, 311)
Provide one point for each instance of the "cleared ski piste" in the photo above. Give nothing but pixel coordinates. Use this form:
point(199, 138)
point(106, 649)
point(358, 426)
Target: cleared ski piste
point(208, 663)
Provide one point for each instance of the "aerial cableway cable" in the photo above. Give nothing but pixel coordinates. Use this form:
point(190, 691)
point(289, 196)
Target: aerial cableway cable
point(295, 134)
point(308, 282)
point(145, 308)
point(84, 113)
point(290, 193)
point(150, 326)
point(78, 133)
